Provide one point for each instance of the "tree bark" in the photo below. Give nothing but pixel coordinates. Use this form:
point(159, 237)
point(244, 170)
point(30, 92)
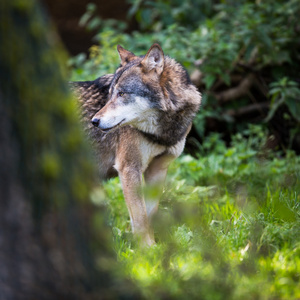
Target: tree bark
point(46, 173)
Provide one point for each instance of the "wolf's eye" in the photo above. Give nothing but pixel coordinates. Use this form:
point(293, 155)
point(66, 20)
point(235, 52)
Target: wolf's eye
point(120, 94)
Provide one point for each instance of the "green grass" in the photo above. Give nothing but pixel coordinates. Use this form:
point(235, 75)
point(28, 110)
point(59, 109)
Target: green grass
point(228, 226)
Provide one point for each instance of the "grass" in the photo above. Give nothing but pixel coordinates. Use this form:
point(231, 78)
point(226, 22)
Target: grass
point(228, 225)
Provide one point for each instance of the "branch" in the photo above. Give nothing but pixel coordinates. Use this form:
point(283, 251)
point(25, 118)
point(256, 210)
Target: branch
point(247, 109)
point(237, 91)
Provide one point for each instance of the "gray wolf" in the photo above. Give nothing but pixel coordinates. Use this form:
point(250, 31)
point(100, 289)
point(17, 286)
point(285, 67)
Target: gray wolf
point(138, 120)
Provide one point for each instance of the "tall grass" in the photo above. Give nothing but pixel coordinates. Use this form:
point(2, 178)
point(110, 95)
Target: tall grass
point(228, 225)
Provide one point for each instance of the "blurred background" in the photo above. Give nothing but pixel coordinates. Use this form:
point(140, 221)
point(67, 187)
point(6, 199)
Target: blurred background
point(67, 14)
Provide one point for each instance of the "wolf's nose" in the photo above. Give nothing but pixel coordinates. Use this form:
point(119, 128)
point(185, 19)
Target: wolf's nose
point(95, 122)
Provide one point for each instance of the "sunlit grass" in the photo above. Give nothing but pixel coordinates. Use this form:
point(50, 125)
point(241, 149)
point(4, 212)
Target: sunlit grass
point(224, 230)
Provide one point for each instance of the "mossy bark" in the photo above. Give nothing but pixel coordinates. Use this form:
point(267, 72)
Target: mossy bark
point(46, 173)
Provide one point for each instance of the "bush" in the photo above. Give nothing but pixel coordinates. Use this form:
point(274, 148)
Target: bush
point(235, 61)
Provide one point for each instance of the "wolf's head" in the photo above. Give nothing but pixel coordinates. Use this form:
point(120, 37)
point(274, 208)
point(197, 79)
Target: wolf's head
point(135, 94)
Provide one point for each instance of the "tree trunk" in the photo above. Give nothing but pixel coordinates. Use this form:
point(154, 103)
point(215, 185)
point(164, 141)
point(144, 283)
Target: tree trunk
point(46, 173)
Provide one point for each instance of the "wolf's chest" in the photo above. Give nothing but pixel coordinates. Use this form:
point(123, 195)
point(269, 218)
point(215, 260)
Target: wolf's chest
point(149, 151)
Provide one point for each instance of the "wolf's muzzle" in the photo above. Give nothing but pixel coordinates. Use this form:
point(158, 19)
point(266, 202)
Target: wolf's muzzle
point(96, 123)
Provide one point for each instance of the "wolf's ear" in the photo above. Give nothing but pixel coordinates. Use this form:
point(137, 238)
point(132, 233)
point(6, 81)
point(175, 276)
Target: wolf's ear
point(154, 59)
point(125, 55)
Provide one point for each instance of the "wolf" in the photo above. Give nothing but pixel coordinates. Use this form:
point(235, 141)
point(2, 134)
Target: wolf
point(137, 120)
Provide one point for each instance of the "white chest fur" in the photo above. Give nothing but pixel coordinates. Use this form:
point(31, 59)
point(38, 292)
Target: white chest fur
point(148, 151)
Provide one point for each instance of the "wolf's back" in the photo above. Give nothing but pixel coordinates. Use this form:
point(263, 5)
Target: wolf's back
point(92, 95)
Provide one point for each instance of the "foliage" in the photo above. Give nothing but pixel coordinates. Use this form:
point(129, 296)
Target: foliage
point(228, 222)
point(157, 15)
point(261, 40)
point(285, 91)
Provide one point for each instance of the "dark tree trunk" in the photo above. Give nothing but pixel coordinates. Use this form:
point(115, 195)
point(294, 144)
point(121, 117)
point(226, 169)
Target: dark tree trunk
point(46, 173)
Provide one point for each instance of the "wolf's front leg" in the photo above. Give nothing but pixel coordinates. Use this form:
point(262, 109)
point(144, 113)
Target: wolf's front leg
point(129, 166)
point(131, 184)
point(155, 176)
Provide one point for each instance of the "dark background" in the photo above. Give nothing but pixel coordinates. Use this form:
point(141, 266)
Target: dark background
point(66, 16)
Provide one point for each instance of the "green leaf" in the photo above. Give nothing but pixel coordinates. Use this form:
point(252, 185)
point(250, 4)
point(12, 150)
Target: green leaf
point(275, 90)
point(226, 78)
point(209, 80)
point(94, 23)
point(273, 109)
point(84, 19)
point(294, 108)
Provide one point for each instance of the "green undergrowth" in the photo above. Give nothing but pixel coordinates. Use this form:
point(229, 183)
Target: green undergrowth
point(228, 225)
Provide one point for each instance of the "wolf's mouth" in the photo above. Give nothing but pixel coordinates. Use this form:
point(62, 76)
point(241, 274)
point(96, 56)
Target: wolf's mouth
point(113, 127)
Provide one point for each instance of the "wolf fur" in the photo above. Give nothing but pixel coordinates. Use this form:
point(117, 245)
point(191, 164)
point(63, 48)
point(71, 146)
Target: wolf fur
point(138, 120)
